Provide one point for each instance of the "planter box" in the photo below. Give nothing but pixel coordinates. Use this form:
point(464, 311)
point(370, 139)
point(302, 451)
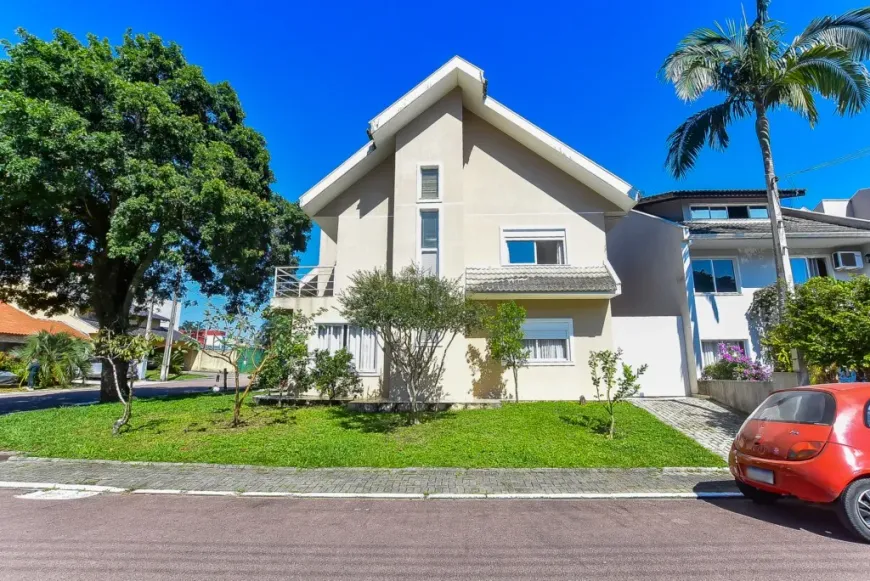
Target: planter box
point(745, 396)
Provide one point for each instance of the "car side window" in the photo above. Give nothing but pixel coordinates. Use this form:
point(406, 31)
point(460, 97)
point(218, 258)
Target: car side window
point(867, 414)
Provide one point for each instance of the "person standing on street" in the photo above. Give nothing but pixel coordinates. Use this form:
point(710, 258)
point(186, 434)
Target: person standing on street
point(32, 372)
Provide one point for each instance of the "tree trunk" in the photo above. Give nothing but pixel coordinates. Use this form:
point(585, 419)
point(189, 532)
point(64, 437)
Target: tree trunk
point(612, 425)
point(108, 391)
point(237, 403)
point(780, 242)
point(516, 387)
point(126, 399)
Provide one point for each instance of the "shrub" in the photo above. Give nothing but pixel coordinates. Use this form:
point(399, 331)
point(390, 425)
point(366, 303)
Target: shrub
point(9, 362)
point(62, 357)
point(828, 321)
point(733, 363)
point(334, 375)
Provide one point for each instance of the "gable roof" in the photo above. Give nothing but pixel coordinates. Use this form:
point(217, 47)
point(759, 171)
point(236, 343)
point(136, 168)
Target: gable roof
point(16, 322)
point(458, 72)
point(715, 194)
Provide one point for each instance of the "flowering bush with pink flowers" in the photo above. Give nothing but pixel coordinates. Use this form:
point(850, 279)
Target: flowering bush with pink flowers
point(733, 363)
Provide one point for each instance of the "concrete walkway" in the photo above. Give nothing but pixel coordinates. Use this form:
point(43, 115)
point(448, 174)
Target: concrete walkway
point(363, 482)
point(703, 420)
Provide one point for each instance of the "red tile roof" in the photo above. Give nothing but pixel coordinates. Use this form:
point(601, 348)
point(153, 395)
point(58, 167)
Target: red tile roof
point(17, 322)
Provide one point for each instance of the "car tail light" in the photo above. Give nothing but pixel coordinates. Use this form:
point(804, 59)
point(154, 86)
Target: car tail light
point(805, 450)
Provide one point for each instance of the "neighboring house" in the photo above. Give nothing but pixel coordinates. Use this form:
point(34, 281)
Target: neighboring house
point(707, 252)
point(16, 326)
point(858, 206)
point(208, 338)
point(456, 182)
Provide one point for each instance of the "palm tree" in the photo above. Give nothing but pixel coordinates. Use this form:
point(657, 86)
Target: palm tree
point(61, 357)
point(757, 72)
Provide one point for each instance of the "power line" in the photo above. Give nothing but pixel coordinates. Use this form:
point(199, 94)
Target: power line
point(836, 161)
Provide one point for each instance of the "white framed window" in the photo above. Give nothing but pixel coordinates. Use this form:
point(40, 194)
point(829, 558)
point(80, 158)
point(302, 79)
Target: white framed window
point(533, 246)
point(361, 343)
point(430, 241)
point(728, 212)
point(803, 268)
point(710, 349)
point(715, 276)
point(548, 341)
point(429, 182)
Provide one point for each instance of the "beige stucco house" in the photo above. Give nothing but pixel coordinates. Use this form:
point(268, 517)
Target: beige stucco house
point(456, 182)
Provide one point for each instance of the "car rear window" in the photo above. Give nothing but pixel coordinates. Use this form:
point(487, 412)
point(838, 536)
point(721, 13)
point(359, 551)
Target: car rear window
point(798, 407)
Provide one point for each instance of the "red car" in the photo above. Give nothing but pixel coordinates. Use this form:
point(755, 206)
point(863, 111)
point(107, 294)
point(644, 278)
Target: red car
point(812, 443)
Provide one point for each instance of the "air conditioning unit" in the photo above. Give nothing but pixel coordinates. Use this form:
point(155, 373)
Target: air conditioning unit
point(848, 260)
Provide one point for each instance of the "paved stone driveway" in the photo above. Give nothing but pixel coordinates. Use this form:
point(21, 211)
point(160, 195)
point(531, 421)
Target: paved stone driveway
point(712, 425)
point(132, 475)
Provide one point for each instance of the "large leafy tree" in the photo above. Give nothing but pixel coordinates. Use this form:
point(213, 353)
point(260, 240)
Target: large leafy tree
point(757, 72)
point(119, 166)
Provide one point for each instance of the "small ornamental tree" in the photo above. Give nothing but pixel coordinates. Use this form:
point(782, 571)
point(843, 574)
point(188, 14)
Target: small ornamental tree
point(111, 348)
point(504, 328)
point(603, 366)
point(416, 317)
point(828, 320)
point(334, 374)
point(278, 339)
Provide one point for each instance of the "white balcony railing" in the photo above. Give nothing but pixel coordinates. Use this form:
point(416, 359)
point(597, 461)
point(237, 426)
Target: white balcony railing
point(304, 281)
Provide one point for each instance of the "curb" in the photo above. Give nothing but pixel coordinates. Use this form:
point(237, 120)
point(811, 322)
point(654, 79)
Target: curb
point(378, 495)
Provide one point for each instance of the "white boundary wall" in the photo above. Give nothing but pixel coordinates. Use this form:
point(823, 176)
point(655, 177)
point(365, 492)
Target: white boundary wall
point(658, 342)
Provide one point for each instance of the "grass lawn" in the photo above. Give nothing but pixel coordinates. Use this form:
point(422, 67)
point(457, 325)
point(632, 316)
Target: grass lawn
point(195, 429)
point(154, 375)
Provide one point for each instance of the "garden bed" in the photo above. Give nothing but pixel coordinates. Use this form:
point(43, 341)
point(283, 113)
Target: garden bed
point(371, 406)
point(195, 428)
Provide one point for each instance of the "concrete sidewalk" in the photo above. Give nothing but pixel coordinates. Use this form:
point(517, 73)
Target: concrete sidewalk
point(368, 482)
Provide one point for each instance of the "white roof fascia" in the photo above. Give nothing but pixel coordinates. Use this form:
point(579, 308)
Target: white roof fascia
point(317, 197)
point(458, 72)
point(446, 78)
point(559, 154)
point(615, 276)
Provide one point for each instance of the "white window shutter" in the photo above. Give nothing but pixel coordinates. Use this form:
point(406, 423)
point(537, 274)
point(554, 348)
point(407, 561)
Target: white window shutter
point(429, 183)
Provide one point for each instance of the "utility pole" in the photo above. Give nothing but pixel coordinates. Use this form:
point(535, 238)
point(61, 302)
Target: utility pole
point(143, 367)
point(167, 348)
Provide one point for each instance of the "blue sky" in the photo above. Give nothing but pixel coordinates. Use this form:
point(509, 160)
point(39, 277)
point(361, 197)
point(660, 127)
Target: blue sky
point(310, 75)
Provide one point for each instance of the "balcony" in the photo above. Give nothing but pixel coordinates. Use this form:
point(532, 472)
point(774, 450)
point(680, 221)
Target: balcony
point(305, 288)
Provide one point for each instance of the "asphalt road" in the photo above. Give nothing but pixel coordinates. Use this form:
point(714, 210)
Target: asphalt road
point(36, 400)
point(158, 538)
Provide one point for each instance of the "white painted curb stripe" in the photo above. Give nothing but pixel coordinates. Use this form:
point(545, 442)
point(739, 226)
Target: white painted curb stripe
point(380, 495)
point(57, 486)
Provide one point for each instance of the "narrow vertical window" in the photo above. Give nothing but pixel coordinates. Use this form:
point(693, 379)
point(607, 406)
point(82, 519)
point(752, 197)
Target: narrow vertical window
point(429, 243)
point(430, 183)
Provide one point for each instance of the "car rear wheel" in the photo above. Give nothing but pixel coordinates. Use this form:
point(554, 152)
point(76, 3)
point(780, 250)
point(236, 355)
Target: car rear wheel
point(854, 508)
point(755, 495)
